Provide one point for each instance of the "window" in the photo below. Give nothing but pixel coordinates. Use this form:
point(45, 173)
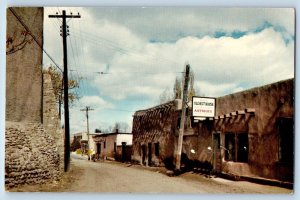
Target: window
point(230, 147)
point(104, 145)
point(236, 147)
point(286, 139)
point(242, 147)
point(115, 147)
point(156, 146)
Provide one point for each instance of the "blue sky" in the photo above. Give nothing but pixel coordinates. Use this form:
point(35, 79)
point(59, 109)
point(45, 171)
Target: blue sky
point(229, 49)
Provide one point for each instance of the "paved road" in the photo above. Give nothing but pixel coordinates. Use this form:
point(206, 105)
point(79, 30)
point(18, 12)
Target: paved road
point(110, 177)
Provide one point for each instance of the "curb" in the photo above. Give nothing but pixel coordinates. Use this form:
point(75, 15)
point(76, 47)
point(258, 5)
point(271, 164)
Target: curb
point(259, 180)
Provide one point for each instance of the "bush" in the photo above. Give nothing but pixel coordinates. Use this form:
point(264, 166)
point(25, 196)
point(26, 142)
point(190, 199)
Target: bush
point(78, 151)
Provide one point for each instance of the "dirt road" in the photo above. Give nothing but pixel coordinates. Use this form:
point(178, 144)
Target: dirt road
point(110, 177)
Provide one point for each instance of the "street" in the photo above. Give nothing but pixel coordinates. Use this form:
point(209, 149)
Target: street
point(115, 177)
point(110, 177)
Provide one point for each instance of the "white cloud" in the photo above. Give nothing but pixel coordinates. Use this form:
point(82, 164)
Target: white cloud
point(214, 90)
point(171, 23)
point(221, 62)
point(95, 102)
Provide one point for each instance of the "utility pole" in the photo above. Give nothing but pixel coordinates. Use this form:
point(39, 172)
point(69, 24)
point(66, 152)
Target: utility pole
point(183, 111)
point(87, 109)
point(65, 76)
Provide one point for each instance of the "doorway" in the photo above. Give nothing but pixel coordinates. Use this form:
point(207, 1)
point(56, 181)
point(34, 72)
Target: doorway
point(149, 154)
point(143, 147)
point(123, 151)
point(99, 148)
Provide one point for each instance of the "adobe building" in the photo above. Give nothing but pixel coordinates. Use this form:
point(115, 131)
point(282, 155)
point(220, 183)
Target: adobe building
point(251, 135)
point(155, 131)
point(113, 146)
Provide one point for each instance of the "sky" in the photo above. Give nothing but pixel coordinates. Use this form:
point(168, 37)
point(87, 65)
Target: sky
point(141, 50)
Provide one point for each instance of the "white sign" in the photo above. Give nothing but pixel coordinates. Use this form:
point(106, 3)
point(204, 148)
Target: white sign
point(204, 107)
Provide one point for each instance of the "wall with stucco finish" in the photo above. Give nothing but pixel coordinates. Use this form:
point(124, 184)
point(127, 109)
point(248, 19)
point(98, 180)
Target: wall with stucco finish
point(24, 67)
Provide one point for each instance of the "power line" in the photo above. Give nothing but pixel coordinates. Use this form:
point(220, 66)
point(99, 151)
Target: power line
point(112, 45)
point(33, 36)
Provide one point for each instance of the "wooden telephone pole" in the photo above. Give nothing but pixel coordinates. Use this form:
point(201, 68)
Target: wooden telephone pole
point(183, 111)
point(65, 80)
point(87, 109)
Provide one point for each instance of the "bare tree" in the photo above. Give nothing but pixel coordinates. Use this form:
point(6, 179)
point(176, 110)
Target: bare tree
point(166, 96)
point(120, 127)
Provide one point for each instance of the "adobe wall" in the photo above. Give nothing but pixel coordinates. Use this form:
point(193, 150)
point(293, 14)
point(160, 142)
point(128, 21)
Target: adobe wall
point(270, 102)
point(108, 151)
point(199, 142)
point(154, 125)
point(118, 154)
point(24, 67)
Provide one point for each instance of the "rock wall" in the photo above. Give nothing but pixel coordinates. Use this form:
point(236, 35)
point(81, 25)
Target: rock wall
point(51, 121)
point(24, 67)
point(31, 155)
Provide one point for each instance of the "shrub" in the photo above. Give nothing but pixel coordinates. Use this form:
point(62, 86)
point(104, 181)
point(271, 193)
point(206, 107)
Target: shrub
point(78, 151)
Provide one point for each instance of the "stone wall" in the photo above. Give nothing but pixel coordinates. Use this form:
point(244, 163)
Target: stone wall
point(51, 121)
point(24, 67)
point(31, 155)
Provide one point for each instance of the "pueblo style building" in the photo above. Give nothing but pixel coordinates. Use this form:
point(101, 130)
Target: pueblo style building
point(113, 146)
point(251, 134)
